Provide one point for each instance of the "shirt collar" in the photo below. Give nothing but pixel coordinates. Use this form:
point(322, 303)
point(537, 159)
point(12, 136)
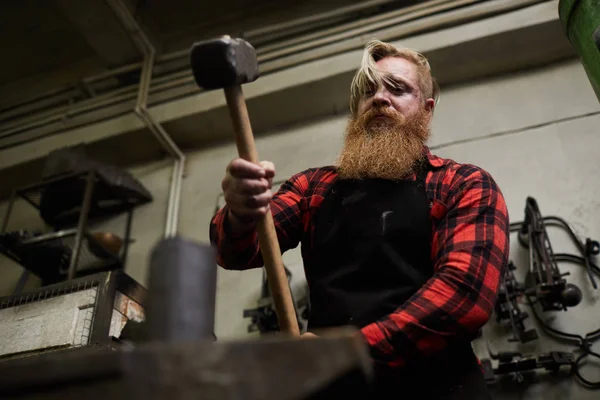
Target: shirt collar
point(432, 159)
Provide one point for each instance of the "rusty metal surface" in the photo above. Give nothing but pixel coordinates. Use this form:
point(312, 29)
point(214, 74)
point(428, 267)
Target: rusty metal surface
point(271, 368)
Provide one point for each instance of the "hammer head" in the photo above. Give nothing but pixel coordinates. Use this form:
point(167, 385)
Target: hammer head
point(223, 62)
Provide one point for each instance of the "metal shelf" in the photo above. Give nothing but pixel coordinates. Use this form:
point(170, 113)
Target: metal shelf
point(49, 255)
point(68, 203)
point(66, 192)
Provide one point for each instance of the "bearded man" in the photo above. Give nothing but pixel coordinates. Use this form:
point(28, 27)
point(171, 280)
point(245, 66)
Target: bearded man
point(404, 245)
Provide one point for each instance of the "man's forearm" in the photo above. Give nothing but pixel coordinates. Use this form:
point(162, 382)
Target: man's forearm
point(239, 226)
point(235, 241)
point(439, 314)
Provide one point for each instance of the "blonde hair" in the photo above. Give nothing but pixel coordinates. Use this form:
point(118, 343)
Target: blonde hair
point(368, 75)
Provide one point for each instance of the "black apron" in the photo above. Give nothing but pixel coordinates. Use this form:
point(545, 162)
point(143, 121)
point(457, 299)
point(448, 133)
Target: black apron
point(372, 252)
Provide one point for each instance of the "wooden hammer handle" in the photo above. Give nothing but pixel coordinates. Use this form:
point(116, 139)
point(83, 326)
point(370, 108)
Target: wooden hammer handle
point(267, 236)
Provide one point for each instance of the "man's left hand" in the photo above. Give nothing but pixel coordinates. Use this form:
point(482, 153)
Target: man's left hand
point(308, 335)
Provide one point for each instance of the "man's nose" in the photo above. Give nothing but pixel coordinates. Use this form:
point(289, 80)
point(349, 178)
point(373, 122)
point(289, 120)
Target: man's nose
point(381, 98)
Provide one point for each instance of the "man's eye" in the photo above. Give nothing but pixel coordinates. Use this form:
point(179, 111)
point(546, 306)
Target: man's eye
point(398, 89)
point(370, 91)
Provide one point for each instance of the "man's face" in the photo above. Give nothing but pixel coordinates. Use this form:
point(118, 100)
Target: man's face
point(385, 138)
point(403, 96)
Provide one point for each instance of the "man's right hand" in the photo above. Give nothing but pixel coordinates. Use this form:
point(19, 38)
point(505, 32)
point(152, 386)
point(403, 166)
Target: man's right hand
point(247, 191)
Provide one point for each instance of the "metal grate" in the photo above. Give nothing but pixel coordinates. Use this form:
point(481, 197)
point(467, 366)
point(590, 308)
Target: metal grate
point(83, 336)
point(87, 304)
point(40, 295)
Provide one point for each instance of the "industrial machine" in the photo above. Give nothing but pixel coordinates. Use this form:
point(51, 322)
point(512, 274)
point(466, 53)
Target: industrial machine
point(581, 23)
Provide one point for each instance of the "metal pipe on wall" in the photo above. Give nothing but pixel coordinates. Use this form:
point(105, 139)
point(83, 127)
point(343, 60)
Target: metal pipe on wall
point(251, 35)
point(341, 28)
point(358, 28)
point(339, 12)
point(430, 19)
point(141, 110)
point(431, 22)
point(265, 33)
point(69, 111)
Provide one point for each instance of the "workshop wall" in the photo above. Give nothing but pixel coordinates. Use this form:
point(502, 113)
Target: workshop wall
point(535, 132)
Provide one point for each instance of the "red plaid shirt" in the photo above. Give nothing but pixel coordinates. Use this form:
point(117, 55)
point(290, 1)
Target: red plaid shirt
point(469, 251)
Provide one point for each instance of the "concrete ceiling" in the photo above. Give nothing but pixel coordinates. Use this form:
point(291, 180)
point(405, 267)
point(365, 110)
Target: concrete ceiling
point(43, 39)
point(35, 36)
point(472, 49)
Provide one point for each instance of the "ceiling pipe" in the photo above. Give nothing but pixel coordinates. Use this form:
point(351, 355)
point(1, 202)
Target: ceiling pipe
point(141, 110)
point(357, 28)
point(357, 23)
point(266, 33)
point(39, 125)
point(339, 12)
point(45, 117)
point(431, 20)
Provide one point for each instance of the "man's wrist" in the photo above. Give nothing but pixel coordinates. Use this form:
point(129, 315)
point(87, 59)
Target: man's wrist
point(238, 224)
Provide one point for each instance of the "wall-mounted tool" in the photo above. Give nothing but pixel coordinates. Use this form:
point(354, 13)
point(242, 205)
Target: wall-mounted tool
point(264, 318)
point(515, 364)
point(507, 307)
point(544, 280)
point(546, 286)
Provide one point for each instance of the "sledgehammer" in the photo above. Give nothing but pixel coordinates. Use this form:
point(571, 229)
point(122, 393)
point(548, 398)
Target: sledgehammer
point(227, 63)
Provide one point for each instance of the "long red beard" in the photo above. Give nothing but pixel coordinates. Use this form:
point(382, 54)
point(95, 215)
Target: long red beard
point(387, 148)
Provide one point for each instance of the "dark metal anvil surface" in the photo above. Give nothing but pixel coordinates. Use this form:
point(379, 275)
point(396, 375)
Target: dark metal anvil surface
point(273, 368)
point(178, 357)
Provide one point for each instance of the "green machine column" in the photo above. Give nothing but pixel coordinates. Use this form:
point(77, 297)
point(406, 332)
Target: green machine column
point(581, 22)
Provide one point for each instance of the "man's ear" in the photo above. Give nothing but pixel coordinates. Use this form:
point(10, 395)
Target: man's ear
point(430, 105)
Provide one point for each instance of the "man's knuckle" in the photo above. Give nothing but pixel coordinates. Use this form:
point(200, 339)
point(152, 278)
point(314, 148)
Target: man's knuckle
point(250, 201)
point(229, 198)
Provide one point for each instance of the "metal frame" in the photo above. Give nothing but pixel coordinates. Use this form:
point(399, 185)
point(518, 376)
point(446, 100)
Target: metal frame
point(103, 313)
point(83, 217)
point(80, 232)
point(108, 284)
point(18, 193)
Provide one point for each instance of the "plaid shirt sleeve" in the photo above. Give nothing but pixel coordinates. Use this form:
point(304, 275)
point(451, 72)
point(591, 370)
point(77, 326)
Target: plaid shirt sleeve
point(470, 251)
point(241, 251)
